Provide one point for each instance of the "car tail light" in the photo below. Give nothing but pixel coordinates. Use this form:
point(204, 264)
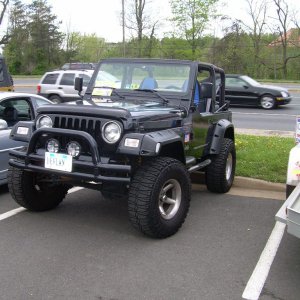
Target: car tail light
point(38, 89)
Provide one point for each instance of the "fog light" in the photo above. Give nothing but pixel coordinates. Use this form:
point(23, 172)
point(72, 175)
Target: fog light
point(73, 149)
point(52, 145)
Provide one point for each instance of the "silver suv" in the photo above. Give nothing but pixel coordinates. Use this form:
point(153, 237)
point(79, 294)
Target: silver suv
point(58, 86)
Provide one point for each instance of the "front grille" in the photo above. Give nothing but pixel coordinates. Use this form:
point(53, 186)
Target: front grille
point(87, 124)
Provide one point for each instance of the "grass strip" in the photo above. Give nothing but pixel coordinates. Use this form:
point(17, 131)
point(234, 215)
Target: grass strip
point(263, 157)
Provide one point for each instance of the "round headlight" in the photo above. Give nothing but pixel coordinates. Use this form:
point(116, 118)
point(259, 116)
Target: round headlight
point(52, 145)
point(73, 149)
point(111, 132)
point(44, 122)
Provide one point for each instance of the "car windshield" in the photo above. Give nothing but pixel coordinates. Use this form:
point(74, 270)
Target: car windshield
point(250, 80)
point(138, 78)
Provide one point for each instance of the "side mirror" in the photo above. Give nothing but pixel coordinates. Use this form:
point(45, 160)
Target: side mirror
point(78, 84)
point(206, 90)
point(3, 124)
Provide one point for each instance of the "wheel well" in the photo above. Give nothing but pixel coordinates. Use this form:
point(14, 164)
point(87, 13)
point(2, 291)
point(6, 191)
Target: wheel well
point(51, 95)
point(229, 133)
point(266, 94)
point(174, 150)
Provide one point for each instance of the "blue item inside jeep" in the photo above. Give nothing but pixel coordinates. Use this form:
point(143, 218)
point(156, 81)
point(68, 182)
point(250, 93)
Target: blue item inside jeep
point(148, 83)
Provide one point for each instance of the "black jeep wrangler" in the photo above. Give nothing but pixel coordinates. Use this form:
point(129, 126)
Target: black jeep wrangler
point(141, 128)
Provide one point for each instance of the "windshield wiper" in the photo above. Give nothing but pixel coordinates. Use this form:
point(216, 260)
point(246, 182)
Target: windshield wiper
point(155, 92)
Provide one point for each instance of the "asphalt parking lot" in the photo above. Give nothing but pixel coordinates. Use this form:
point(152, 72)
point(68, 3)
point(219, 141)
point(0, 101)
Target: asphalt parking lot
point(87, 249)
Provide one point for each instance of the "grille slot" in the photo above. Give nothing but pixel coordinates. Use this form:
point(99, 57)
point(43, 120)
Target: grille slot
point(89, 125)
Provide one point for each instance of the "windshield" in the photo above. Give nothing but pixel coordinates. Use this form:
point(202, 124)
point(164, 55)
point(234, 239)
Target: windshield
point(139, 77)
point(250, 80)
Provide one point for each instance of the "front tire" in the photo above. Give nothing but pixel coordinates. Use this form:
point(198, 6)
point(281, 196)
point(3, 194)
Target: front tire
point(267, 102)
point(220, 173)
point(28, 192)
point(159, 197)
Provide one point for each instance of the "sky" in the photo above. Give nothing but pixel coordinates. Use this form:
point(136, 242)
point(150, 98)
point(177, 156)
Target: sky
point(103, 17)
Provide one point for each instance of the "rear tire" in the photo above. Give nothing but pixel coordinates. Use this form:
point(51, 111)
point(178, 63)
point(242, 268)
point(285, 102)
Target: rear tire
point(28, 192)
point(159, 197)
point(220, 173)
point(56, 99)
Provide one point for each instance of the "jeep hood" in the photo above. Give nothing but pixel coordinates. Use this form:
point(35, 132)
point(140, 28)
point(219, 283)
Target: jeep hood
point(118, 109)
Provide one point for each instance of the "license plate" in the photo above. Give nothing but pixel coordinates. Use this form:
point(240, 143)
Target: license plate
point(58, 161)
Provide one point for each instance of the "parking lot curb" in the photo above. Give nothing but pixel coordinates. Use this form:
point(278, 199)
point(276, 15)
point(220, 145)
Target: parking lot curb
point(247, 187)
point(257, 184)
point(262, 132)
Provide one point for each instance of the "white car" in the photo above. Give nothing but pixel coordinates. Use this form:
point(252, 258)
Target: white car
point(58, 86)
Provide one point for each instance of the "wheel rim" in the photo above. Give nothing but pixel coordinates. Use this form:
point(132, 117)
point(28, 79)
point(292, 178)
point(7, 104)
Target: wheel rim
point(229, 164)
point(170, 199)
point(267, 102)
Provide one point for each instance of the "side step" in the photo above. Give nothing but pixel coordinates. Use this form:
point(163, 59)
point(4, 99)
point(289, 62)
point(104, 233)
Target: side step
point(199, 166)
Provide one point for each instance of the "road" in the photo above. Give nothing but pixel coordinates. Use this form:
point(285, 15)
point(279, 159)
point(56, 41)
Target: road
point(249, 118)
point(86, 249)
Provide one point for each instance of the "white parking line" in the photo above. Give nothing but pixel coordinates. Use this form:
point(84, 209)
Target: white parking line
point(11, 213)
point(259, 276)
point(20, 209)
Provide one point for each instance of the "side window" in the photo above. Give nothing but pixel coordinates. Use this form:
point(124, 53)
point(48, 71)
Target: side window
point(13, 111)
point(68, 79)
point(234, 82)
point(50, 78)
point(40, 102)
point(86, 79)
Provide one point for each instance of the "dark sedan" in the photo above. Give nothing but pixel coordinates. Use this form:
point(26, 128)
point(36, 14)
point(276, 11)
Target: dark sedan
point(244, 91)
point(14, 107)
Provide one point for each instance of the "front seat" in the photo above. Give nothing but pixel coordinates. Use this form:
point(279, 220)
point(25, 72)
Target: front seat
point(10, 115)
point(148, 83)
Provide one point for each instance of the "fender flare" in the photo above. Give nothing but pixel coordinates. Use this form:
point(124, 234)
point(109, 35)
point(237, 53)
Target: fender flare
point(223, 129)
point(153, 143)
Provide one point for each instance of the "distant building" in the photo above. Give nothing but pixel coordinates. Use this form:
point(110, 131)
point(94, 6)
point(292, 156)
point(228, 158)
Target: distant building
point(293, 39)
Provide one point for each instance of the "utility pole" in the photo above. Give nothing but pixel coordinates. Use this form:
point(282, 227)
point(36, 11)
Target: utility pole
point(123, 26)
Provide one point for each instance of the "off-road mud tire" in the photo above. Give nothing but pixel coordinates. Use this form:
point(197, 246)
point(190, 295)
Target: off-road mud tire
point(220, 173)
point(155, 181)
point(26, 191)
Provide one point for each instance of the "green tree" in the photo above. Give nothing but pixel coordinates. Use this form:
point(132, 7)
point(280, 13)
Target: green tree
point(35, 44)
point(15, 49)
point(234, 51)
point(3, 6)
point(140, 23)
point(257, 10)
point(191, 18)
point(87, 47)
point(45, 37)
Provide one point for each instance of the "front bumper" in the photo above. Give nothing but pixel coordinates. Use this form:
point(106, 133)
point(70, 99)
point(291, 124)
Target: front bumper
point(283, 100)
point(92, 168)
